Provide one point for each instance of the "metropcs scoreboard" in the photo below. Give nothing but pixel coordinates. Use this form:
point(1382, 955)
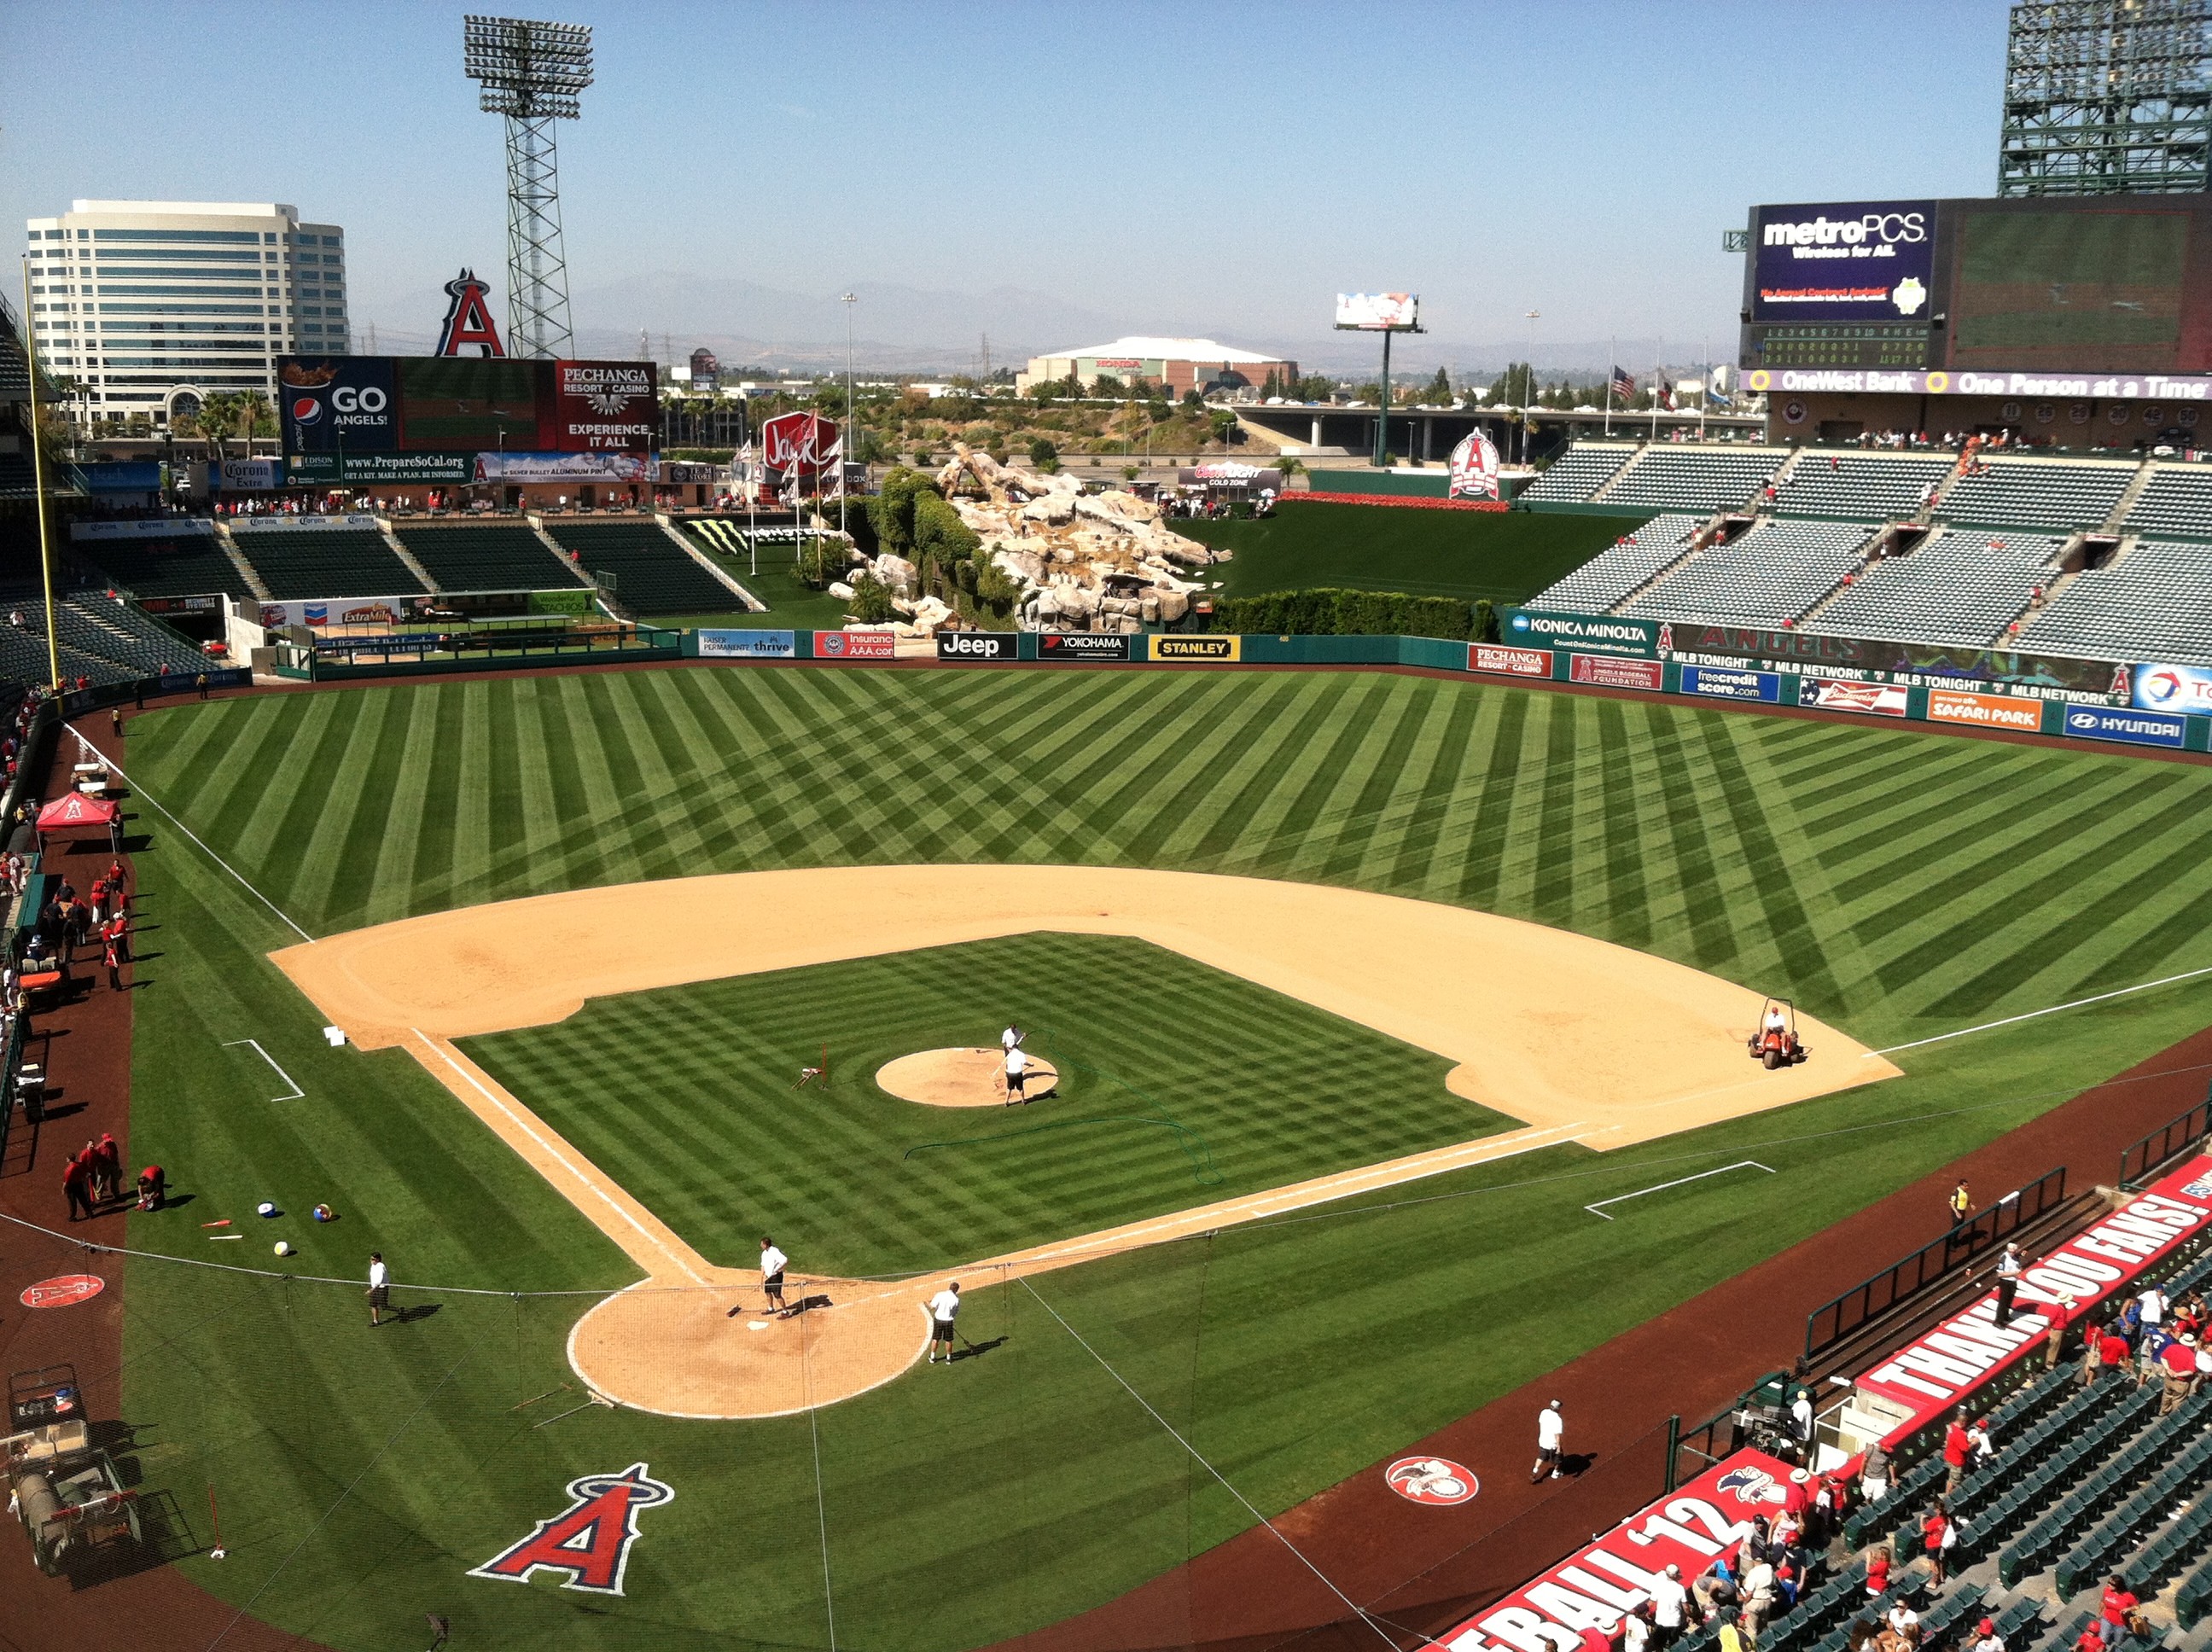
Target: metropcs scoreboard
point(2097, 285)
point(460, 419)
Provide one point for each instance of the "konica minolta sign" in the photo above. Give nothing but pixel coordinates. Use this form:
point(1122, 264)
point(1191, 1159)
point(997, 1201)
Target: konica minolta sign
point(1588, 634)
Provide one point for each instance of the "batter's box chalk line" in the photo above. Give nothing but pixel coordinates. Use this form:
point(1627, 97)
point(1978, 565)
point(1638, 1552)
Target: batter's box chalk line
point(255, 1044)
point(1740, 1164)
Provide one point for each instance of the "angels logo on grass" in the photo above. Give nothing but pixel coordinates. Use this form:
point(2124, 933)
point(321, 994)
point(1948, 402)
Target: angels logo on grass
point(1437, 1481)
point(590, 1539)
point(1749, 1484)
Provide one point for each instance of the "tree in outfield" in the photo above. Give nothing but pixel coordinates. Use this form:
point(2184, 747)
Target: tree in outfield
point(1439, 393)
point(1044, 455)
point(871, 600)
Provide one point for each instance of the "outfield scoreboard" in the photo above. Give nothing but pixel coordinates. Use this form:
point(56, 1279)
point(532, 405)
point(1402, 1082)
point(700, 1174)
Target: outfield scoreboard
point(439, 418)
point(2109, 284)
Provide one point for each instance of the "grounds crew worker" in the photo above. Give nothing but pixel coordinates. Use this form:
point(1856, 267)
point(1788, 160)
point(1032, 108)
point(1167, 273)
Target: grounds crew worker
point(944, 1309)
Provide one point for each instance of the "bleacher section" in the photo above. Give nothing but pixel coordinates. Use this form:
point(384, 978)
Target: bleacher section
point(297, 563)
point(501, 558)
point(1578, 473)
point(2029, 493)
point(2154, 602)
point(1699, 479)
point(1619, 568)
point(1962, 587)
point(100, 639)
point(1859, 488)
point(1769, 574)
point(2177, 500)
point(653, 574)
point(188, 565)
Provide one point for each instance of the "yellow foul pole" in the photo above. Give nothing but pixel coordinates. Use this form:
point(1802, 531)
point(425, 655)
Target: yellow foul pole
point(38, 484)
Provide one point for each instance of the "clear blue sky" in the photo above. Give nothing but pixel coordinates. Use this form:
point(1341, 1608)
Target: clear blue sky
point(1163, 165)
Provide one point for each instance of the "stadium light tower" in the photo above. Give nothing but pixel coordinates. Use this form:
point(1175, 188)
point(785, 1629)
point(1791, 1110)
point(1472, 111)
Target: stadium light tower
point(532, 73)
point(2107, 97)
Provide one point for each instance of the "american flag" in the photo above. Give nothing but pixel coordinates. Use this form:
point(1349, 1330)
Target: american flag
point(1623, 387)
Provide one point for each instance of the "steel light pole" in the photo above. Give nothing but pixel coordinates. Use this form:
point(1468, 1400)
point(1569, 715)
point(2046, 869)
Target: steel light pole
point(1529, 380)
point(852, 416)
point(532, 73)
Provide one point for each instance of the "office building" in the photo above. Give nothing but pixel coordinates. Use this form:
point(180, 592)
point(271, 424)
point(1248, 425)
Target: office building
point(149, 307)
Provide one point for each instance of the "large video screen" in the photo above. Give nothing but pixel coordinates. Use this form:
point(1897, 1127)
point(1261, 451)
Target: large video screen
point(2077, 285)
point(364, 405)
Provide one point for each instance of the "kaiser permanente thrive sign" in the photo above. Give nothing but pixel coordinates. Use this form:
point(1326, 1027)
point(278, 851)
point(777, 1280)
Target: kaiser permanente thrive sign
point(1944, 1366)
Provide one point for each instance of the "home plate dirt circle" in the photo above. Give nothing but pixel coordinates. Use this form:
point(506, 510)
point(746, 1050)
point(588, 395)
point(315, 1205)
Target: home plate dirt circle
point(968, 1076)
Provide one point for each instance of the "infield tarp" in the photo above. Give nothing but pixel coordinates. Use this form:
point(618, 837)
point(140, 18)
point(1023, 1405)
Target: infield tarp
point(1600, 1584)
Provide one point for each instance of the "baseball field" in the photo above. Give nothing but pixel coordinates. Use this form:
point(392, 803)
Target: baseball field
point(1899, 886)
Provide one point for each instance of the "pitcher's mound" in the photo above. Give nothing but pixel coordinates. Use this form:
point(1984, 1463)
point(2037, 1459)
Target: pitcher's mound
point(968, 1077)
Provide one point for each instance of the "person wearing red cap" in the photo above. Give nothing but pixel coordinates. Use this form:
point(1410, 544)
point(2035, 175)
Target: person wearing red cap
point(1986, 1638)
point(1956, 1446)
point(1596, 1640)
point(76, 1189)
point(2115, 1611)
point(153, 1186)
point(107, 1168)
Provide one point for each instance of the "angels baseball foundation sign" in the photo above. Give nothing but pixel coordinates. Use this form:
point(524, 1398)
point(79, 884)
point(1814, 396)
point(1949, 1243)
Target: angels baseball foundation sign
point(589, 1541)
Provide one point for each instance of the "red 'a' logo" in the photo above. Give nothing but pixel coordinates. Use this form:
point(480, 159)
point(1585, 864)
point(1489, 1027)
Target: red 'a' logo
point(590, 1539)
point(468, 323)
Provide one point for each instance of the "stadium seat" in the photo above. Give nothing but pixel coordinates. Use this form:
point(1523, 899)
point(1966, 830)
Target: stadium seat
point(497, 558)
point(2148, 604)
point(1580, 471)
point(651, 573)
point(186, 565)
point(1701, 480)
point(303, 563)
point(1860, 487)
point(1772, 573)
point(1961, 587)
point(2064, 493)
point(1620, 568)
point(2178, 500)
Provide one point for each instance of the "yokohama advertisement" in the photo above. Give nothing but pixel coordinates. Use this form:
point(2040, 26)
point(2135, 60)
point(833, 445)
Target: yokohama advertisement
point(1984, 710)
point(1943, 1366)
point(1513, 662)
point(1875, 699)
point(1082, 645)
point(605, 407)
point(1605, 671)
point(855, 645)
point(1599, 1584)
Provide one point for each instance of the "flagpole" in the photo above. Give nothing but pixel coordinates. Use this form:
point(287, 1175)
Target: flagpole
point(39, 482)
point(1655, 390)
point(1610, 359)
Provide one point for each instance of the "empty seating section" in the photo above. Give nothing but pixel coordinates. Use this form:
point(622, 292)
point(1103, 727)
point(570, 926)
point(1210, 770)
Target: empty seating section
point(1700, 479)
point(2152, 604)
point(188, 565)
point(2027, 493)
point(1960, 587)
point(487, 559)
point(2178, 499)
point(98, 637)
point(1771, 573)
point(296, 563)
point(1858, 488)
point(651, 573)
point(1619, 568)
point(1579, 472)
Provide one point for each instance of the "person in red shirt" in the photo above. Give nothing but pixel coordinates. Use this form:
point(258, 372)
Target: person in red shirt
point(107, 1168)
point(1956, 1446)
point(2092, 1640)
point(76, 1189)
point(1596, 1640)
point(153, 1186)
point(1877, 1574)
point(1934, 1532)
point(2113, 1615)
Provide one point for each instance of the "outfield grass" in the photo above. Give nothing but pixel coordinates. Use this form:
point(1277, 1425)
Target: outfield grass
point(791, 603)
point(1179, 1085)
point(1467, 554)
point(1900, 883)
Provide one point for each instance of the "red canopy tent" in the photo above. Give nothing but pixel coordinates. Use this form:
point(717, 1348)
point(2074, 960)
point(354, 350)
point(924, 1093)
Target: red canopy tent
point(76, 809)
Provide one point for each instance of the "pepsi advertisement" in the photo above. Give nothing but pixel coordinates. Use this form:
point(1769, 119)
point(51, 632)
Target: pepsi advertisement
point(1861, 261)
point(342, 404)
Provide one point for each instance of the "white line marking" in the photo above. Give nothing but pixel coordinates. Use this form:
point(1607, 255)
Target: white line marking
point(296, 1091)
point(558, 1158)
point(1740, 1164)
point(2140, 987)
point(140, 793)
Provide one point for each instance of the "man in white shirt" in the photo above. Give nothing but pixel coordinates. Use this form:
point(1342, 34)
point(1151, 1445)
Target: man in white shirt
point(379, 1288)
point(2008, 1271)
point(773, 1262)
point(2153, 1303)
point(1013, 1035)
point(1551, 1430)
point(1018, 1067)
point(944, 1309)
point(1669, 1601)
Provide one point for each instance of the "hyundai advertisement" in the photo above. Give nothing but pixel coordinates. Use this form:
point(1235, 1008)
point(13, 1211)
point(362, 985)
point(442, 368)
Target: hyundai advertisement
point(345, 405)
point(1860, 261)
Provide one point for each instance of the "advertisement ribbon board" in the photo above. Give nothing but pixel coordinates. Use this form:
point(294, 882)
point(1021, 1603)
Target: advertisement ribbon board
point(1203, 649)
point(1083, 645)
point(1861, 261)
point(1943, 1366)
point(972, 646)
point(2173, 688)
point(1511, 662)
point(1723, 683)
point(2133, 728)
point(1610, 1577)
point(747, 645)
point(1984, 710)
point(1872, 699)
point(311, 469)
point(1610, 671)
point(855, 645)
point(1588, 634)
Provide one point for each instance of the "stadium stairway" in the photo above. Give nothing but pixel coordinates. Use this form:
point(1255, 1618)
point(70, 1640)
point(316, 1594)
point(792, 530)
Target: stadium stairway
point(408, 559)
point(2129, 498)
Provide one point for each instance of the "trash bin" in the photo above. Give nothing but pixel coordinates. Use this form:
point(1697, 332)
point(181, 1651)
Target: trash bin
point(31, 1090)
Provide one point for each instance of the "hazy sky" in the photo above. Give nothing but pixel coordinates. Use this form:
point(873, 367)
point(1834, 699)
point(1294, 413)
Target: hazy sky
point(1230, 166)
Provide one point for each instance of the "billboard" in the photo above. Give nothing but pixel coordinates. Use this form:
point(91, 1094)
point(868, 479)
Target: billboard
point(2058, 285)
point(561, 467)
point(1474, 468)
point(2132, 727)
point(798, 443)
point(1611, 671)
point(1083, 645)
point(1513, 662)
point(1379, 312)
point(2173, 688)
point(1590, 633)
point(605, 406)
point(1723, 683)
point(977, 645)
point(346, 404)
point(747, 645)
point(1861, 261)
point(1197, 648)
point(316, 469)
point(1836, 694)
point(461, 404)
point(855, 645)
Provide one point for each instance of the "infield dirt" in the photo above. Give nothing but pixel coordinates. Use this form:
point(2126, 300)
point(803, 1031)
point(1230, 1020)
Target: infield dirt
point(1583, 1041)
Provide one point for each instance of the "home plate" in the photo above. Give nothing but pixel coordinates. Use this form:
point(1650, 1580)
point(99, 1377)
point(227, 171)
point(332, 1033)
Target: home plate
point(755, 1325)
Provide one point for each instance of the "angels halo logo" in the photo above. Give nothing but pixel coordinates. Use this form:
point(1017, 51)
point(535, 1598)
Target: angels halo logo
point(1438, 1482)
point(590, 1539)
point(1749, 1484)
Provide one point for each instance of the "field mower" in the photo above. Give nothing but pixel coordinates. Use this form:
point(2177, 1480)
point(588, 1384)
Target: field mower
point(1773, 1046)
point(65, 1488)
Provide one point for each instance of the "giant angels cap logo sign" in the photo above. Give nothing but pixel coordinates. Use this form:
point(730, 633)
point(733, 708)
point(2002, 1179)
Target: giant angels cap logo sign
point(468, 326)
point(589, 1541)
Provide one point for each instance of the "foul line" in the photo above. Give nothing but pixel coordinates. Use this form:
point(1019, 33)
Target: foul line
point(555, 1155)
point(2140, 986)
point(1740, 1164)
point(139, 791)
point(296, 1091)
point(1273, 1530)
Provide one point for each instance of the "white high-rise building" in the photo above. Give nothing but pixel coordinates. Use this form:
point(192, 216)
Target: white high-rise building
point(151, 306)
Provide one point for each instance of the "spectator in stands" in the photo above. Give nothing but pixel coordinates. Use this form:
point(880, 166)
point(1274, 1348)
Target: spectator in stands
point(2116, 1614)
point(1669, 1605)
point(1956, 1449)
point(1877, 1574)
point(1635, 1629)
point(2007, 1276)
point(1716, 1587)
point(2151, 1308)
point(1986, 1638)
point(1939, 1535)
point(1904, 1621)
point(2176, 1364)
point(2113, 1350)
point(1732, 1637)
point(1874, 1475)
point(1760, 1597)
point(2058, 1316)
